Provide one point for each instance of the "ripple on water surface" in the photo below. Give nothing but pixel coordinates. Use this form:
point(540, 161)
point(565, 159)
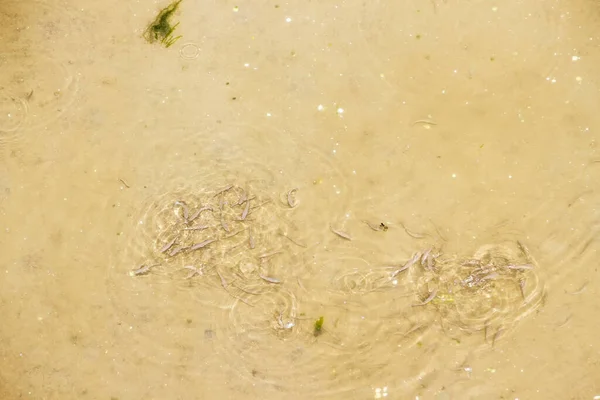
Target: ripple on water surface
point(37, 24)
point(217, 231)
point(365, 331)
point(217, 225)
point(35, 90)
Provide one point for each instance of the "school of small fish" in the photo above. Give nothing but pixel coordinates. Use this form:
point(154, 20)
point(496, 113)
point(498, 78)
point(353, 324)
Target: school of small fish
point(225, 221)
point(202, 235)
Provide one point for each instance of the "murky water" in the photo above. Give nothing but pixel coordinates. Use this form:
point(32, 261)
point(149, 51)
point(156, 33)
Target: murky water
point(176, 220)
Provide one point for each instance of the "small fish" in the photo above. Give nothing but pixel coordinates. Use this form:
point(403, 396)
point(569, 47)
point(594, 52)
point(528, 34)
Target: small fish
point(226, 188)
point(341, 234)
point(408, 264)
point(202, 244)
point(245, 212)
point(498, 333)
point(168, 245)
point(372, 226)
point(396, 272)
point(424, 121)
point(566, 321)
point(234, 234)
point(142, 270)
point(222, 203)
point(246, 290)
point(300, 284)
point(291, 199)
point(186, 210)
point(522, 284)
point(520, 267)
point(124, 183)
point(242, 300)
point(269, 279)
point(251, 240)
point(427, 300)
point(525, 252)
point(293, 241)
point(493, 275)
point(580, 290)
point(224, 225)
point(193, 271)
point(438, 231)
point(426, 256)
point(225, 284)
point(223, 281)
point(260, 205)
point(200, 211)
point(378, 228)
point(411, 233)
point(484, 269)
point(176, 251)
point(196, 228)
point(243, 198)
point(265, 255)
point(430, 262)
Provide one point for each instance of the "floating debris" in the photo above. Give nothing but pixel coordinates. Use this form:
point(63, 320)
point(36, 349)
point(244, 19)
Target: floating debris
point(161, 30)
point(291, 198)
point(319, 326)
point(284, 325)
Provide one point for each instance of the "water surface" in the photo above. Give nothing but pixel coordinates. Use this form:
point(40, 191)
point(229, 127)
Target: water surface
point(423, 176)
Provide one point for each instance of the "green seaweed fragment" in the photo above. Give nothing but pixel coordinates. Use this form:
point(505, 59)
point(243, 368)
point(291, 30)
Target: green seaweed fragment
point(161, 30)
point(319, 326)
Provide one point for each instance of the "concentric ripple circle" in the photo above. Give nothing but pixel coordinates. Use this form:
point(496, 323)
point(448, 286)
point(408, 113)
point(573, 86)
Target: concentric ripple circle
point(35, 90)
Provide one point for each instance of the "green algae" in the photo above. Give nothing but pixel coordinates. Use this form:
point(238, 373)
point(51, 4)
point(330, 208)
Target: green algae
point(160, 30)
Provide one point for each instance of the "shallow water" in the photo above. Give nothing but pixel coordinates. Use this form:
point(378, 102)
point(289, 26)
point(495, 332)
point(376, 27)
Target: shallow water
point(423, 176)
